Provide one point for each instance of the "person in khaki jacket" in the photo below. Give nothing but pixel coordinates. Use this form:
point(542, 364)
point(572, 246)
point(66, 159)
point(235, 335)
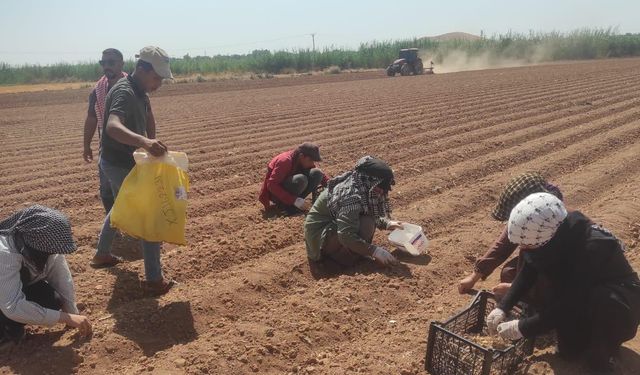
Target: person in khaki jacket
point(342, 221)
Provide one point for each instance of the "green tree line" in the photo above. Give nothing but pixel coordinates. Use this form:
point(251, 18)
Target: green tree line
point(531, 47)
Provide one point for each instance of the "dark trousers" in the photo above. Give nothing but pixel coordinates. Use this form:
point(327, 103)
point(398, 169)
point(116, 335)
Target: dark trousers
point(333, 249)
point(303, 184)
point(41, 293)
point(610, 318)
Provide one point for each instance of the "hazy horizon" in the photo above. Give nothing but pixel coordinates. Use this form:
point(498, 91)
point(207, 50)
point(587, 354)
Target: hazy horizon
point(48, 32)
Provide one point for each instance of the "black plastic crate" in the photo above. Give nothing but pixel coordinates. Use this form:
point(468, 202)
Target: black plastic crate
point(450, 353)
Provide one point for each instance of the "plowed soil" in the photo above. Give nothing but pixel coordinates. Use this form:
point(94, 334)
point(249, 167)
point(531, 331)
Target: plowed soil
point(248, 301)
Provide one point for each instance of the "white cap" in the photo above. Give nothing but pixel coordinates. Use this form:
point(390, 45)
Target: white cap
point(158, 58)
point(535, 220)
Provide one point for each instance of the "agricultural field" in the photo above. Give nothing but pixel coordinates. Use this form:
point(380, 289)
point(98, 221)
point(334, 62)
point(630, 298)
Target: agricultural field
point(248, 301)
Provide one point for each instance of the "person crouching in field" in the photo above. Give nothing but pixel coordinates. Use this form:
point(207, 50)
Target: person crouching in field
point(36, 286)
point(517, 189)
point(291, 177)
point(342, 221)
point(594, 301)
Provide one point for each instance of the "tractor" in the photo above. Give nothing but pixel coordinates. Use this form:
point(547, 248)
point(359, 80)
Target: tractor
point(408, 63)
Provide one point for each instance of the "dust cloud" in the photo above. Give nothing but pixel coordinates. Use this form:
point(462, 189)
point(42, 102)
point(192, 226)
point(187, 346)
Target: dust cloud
point(458, 60)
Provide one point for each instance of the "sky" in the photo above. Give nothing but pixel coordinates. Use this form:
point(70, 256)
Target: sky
point(52, 31)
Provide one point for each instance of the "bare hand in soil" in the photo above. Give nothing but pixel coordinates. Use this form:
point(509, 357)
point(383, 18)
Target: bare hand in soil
point(501, 289)
point(466, 284)
point(80, 322)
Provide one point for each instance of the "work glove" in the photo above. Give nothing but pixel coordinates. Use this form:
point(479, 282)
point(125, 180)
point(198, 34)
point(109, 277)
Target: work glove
point(392, 224)
point(510, 330)
point(495, 317)
point(384, 257)
point(299, 203)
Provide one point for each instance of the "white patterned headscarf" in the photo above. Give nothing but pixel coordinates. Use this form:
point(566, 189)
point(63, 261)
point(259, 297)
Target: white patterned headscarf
point(534, 221)
point(41, 228)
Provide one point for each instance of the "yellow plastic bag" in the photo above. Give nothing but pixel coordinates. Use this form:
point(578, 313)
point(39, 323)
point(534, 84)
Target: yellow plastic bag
point(152, 201)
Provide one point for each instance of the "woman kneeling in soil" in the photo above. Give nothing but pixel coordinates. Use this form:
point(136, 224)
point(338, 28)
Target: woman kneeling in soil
point(35, 282)
point(341, 223)
point(594, 298)
point(517, 189)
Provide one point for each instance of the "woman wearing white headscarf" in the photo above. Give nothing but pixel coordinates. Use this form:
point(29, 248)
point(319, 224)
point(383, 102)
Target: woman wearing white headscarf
point(500, 252)
point(36, 286)
point(594, 302)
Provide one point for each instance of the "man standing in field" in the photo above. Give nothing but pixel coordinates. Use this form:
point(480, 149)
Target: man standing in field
point(128, 125)
point(291, 177)
point(112, 63)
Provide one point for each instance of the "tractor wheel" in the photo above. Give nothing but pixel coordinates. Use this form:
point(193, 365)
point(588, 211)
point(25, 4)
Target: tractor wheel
point(419, 68)
point(391, 72)
point(405, 70)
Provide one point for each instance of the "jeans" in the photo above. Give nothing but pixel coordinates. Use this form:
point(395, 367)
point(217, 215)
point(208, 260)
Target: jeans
point(106, 195)
point(301, 185)
point(150, 250)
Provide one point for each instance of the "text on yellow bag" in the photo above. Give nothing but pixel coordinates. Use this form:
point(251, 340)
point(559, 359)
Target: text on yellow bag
point(152, 201)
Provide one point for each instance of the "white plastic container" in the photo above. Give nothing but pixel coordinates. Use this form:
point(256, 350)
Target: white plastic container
point(410, 239)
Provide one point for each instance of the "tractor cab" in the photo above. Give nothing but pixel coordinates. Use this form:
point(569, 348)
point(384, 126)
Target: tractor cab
point(410, 55)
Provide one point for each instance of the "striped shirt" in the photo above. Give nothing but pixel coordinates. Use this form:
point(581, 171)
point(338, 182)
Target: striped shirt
point(13, 302)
